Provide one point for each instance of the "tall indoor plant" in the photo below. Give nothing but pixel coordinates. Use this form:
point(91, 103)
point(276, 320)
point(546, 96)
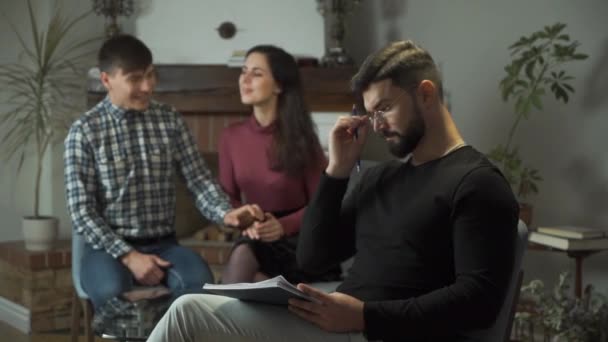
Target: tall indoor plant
point(42, 90)
point(535, 72)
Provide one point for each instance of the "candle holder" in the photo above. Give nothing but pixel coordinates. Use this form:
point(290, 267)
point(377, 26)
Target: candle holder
point(111, 9)
point(334, 13)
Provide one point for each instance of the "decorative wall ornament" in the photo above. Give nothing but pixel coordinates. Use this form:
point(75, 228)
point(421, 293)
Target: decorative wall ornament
point(226, 30)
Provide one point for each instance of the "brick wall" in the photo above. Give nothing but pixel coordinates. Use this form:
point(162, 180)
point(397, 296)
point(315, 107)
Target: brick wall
point(39, 281)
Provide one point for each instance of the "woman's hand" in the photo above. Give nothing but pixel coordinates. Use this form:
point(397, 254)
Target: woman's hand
point(268, 231)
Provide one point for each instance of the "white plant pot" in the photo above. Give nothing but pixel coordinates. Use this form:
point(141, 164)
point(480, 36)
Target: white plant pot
point(40, 233)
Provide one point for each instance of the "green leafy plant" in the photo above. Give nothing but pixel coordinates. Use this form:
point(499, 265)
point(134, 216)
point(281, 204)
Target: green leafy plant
point(43, 88)
point(534, 73)
point(561, 316)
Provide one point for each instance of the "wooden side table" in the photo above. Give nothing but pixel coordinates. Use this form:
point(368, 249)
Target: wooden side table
point(577, 255)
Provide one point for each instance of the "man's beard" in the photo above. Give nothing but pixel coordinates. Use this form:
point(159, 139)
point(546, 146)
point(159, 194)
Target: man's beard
point(407, 142)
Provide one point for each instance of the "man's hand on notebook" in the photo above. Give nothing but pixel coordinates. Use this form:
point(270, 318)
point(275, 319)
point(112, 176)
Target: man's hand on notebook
point(337, 311)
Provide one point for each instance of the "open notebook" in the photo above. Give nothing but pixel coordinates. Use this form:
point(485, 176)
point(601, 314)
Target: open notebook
point(276, 290)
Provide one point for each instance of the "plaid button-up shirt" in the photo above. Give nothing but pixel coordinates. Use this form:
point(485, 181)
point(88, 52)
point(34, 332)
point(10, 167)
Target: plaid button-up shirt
point(120, 175)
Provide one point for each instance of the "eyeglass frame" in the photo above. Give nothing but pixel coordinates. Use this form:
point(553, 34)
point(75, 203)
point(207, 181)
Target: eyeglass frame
point(379, 113)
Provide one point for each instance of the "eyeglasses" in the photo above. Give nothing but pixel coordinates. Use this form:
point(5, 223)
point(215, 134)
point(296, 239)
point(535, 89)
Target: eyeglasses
point(379, 115)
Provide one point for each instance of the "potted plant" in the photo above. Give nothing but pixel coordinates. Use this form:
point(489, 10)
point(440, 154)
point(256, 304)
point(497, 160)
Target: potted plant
point(535, 72)
point(560, 316)
point(42, 91)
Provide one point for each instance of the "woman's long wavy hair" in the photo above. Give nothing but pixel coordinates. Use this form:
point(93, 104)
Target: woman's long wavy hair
point(295, 144)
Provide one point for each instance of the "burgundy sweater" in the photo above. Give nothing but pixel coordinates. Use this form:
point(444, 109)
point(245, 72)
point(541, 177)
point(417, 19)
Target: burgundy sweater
point(244, 168)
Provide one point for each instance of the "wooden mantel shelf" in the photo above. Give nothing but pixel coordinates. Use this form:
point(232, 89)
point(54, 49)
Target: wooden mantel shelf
point(204, 89)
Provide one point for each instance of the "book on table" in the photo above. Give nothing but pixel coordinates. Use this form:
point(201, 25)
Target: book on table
point(276, 290)
point(568, 244)
point(573, 232)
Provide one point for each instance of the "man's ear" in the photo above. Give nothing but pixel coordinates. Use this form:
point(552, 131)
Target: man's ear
point(427, 91)
point(105, 80)
point(277, 90)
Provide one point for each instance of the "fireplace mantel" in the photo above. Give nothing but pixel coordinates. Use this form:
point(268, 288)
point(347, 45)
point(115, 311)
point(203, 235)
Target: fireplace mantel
point(213, 89)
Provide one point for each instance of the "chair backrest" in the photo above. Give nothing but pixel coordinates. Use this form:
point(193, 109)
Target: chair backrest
point(501, 329)
point(77, 254)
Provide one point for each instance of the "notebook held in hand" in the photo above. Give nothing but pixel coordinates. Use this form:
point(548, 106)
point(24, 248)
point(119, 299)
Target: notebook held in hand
point(276, 291)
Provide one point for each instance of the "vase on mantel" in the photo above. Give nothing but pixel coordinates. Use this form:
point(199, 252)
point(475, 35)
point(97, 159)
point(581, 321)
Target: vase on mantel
point(334, 13)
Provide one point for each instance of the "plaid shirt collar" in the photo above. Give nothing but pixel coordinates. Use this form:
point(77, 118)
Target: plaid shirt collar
point(115, 111)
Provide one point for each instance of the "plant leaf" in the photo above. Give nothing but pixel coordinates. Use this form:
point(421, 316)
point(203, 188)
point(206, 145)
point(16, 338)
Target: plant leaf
point(530, 70)
point(560, 93)
point(35, 36)
point(536, 102)
point(569, 87)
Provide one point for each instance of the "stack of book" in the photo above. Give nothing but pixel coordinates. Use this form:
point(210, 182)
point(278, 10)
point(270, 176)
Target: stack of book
point(571, 238)
point(237, 59)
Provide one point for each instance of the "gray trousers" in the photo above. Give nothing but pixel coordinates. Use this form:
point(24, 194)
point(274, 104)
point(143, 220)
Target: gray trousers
point(203, 317)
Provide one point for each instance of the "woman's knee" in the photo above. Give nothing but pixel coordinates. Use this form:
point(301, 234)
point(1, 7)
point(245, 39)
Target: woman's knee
point(242, 253)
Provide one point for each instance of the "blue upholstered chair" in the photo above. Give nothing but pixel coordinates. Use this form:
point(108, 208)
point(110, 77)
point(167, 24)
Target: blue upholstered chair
point(80, 300)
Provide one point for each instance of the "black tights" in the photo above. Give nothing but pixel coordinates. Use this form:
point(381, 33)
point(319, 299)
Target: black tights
point(242, 267)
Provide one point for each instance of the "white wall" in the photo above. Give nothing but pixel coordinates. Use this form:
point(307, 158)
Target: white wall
point(469, 38)
point(185, 31)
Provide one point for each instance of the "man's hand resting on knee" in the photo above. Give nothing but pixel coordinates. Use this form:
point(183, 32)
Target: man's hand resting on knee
point(337, 312)
point(146, 268)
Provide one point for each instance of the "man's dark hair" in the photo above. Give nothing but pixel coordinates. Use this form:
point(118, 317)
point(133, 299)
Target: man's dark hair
point(403, 62)
point(125, 52)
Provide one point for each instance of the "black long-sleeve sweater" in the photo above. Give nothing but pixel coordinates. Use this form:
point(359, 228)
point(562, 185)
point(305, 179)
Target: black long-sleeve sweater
point(433, 244)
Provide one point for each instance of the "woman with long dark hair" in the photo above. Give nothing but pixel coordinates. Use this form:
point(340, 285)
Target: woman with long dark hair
point(273, 159)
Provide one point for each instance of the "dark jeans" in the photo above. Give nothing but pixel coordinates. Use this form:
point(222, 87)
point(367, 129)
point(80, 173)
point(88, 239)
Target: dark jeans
point(104, 277)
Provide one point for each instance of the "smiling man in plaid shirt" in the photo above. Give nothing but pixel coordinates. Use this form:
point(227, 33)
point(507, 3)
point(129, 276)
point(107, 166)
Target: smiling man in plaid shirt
point(120, 161)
